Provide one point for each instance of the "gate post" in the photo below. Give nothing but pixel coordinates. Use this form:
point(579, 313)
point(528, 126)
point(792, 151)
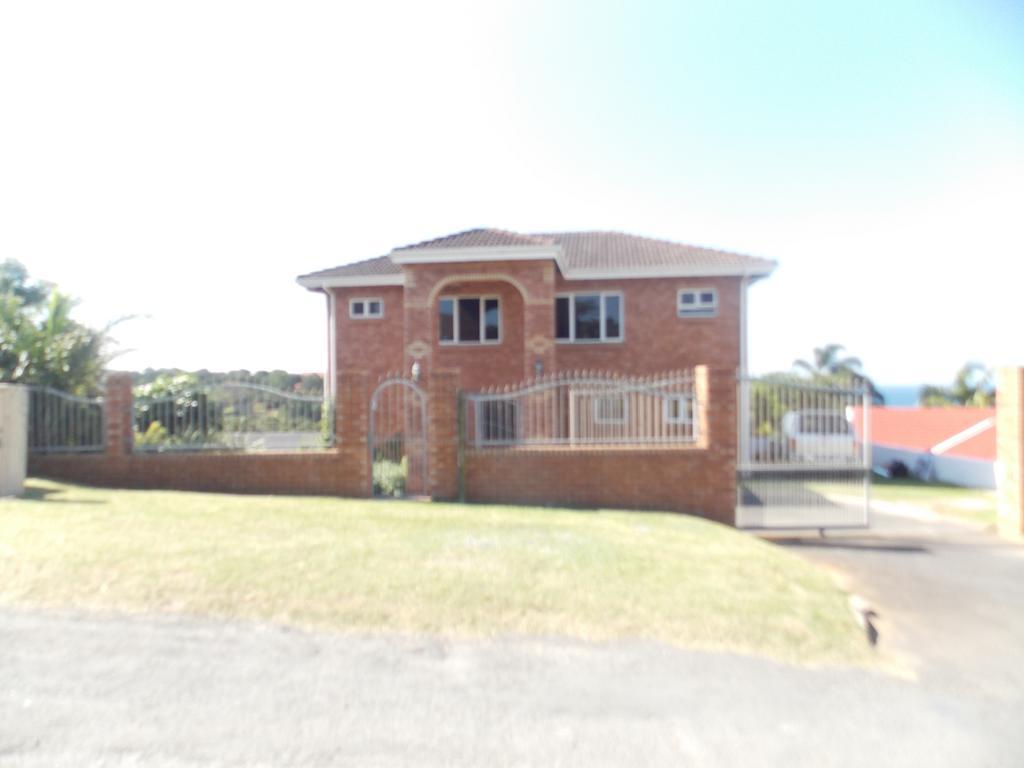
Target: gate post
point(443, 434)
point(720, 424)
point(352, 428)
point(118, 413)
point(1010, 451)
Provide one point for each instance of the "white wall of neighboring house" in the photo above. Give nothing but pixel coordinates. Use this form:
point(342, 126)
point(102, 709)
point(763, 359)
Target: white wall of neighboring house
point(969, 473)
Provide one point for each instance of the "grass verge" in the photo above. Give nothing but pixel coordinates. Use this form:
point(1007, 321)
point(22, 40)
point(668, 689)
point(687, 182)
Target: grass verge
point(969, 504)
point(444, 569)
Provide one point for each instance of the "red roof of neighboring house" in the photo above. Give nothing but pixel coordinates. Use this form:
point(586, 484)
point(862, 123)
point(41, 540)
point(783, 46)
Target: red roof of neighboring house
point(967, 433)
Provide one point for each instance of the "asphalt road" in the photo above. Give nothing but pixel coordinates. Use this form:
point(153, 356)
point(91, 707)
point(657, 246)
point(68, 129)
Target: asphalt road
point(79, 690)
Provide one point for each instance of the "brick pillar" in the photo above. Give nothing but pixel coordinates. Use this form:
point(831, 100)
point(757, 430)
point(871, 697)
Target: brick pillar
point(718, 425)
point(351, 420)
point(1010, 451)
point(539, 324)
point(444, 434)
point(119, 413)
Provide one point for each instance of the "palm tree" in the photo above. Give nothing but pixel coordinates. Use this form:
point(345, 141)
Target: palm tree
point(40, 343)
point(972, 386)
point(830, 366)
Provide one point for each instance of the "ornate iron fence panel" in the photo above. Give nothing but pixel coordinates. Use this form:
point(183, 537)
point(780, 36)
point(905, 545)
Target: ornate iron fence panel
point(398, 438)
point(233, 416)
point(585, 408)
point(59, 422)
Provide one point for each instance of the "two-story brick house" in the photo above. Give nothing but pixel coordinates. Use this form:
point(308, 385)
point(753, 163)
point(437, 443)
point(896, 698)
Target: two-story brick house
point(500, 307)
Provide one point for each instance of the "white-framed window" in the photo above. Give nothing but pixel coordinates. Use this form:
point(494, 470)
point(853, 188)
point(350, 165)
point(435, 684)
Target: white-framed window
point(610, 409)
point(679, 409)
point(469, 320)
point(365, 308)
point(697, 302)
point(590, 317)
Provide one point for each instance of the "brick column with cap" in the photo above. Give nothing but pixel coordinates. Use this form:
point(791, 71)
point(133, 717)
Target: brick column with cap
point(443, 434)
point(118, 413)
point(352, 424)
point(1010, 451)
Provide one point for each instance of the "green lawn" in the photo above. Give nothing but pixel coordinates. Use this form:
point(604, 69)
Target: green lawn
point(415, 567)
point(950, 500)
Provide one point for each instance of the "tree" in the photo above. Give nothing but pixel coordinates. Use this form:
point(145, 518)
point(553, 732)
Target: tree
point(831, 367)
point(14, 281)
point(39, 341)
point(972, 386)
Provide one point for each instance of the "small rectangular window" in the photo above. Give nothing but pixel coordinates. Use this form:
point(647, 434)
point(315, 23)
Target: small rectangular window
point(446, 312)
point(609, 409)
point(469, 320)
point(701, 302)
point(589, 317)
point(362, 309)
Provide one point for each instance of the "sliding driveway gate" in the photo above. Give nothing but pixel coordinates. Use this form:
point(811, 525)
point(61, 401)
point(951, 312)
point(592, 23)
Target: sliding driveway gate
point(804, 456)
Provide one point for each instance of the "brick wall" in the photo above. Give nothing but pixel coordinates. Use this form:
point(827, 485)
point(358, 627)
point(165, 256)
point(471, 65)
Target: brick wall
point(313, 472)
point(697, 479)
point(373, 345)
point(342, 471)
point(655, 339)
point(527, 319)
point(1010, 450)
point(444, 435)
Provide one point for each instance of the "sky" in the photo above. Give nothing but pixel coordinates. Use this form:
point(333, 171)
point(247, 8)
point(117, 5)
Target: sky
point(180, 163)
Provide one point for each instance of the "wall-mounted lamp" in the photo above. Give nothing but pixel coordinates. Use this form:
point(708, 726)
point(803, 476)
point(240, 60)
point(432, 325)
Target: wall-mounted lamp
point(538, 368)
point(416, 371)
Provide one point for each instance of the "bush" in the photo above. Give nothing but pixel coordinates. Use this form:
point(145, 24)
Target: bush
point(898, 469)
point(389, 477)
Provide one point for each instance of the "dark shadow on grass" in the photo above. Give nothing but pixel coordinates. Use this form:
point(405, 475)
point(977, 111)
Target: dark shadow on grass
point(51, 496)
point(863, 546)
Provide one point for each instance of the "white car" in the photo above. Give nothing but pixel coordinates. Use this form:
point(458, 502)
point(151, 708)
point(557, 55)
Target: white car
point(819, 436)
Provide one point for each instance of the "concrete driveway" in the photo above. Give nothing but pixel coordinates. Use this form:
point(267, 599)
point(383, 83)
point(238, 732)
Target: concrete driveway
point(949, 597)
point(85, 690)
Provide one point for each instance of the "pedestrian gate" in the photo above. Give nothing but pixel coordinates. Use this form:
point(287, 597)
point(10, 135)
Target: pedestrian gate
point(804, 456)
point(398, 438)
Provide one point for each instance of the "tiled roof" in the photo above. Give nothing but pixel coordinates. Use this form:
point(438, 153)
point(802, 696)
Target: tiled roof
point(585, 253)
point(618, 250)
point(922, 429)
point(381, 265)
point(478, 238)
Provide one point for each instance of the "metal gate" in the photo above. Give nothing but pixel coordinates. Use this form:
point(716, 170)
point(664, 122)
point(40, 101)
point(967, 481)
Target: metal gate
point(398, 438)
point(804, 456)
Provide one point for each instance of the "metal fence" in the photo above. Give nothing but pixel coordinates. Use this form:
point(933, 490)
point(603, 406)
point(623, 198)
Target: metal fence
point(585, 408)
point(804, 455)
point(59, 422)
point(233, 416)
